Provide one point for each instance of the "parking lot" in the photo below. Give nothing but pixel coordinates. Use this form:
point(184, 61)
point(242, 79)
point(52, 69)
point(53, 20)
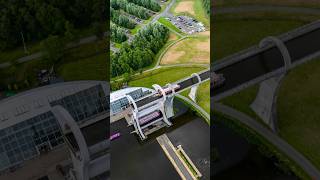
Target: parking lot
point(187, 24)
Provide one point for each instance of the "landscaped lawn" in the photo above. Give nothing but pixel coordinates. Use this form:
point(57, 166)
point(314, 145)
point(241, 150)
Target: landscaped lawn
point(235, 32)
point(92, 68)
point(298, 110)
point(163, 76)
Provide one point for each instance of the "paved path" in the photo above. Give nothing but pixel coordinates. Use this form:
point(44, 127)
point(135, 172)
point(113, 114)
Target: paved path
point(255, 8)
point(164, 12)
point(82, 41)
point(172, 155)
point(280, 144)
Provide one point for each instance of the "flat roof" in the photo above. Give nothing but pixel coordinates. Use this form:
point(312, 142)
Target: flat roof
point(122, 92)
point(36, 101)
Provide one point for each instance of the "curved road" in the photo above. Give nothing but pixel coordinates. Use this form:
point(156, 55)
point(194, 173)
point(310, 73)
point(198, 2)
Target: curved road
point(283, 146)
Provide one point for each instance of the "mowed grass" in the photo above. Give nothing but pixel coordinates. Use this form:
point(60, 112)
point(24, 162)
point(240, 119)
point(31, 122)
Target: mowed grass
point(92, 68)
point(242, 100)
point(298, 110)
point(163, 76)
point(232, 34)
point(203, 96)
point(190, 50)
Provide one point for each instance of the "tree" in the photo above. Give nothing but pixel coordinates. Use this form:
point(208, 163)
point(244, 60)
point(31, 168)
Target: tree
point(52, 49)
point(70, 33)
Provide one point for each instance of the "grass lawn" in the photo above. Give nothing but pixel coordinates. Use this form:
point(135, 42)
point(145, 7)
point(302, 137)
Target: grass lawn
point(242, 100)
point(189, 50)
point(163, 76)
point(296, 3)
point(92, 68)
point(168, 24)
point(203, 96)
point(298, 110)
point(233, 35)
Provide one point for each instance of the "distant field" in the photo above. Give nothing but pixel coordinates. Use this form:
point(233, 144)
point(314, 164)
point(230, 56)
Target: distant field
point(234, 33)
point(189, 50)
point(164, 76)
point(92, 68)
point(193, 8)
point(299, 3)
point(298, 110)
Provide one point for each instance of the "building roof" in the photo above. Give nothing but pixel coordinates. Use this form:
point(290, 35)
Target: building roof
point(30, 103)
point(122, 92)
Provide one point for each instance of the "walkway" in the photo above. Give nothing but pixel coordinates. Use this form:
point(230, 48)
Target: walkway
point(173, 156)
point(279, 143)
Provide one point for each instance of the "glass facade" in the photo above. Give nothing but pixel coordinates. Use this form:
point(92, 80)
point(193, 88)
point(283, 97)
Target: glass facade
point(122, 103)
point(29, 138)
point(85, 104)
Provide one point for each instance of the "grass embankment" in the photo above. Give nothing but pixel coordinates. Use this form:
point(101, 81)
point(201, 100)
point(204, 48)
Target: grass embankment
point(190, 50)
point(298, 110)
point(193, 8)
point(235, 32)
point(168, 24)
point(295, 3)
point(163, 76)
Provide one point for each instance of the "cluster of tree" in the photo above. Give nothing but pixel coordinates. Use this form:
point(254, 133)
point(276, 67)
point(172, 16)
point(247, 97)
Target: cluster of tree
point(117, 33)
point(130, 8)
point(149, 4)
point(141, 51)
point(34, 20)
point(206, 5)
point(120, 19)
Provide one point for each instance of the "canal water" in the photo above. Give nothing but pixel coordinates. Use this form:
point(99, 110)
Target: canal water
point(237, 159)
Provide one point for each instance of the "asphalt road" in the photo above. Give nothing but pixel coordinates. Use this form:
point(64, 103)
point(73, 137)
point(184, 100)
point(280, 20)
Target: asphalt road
point(280, 144)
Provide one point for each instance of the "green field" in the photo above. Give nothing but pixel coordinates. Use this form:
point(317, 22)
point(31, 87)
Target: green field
point(295, 3)
point(193, 50)
point(92, 68)
point(235, 35)
point(163, 76)
point(235, 32)
point(298, 110)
